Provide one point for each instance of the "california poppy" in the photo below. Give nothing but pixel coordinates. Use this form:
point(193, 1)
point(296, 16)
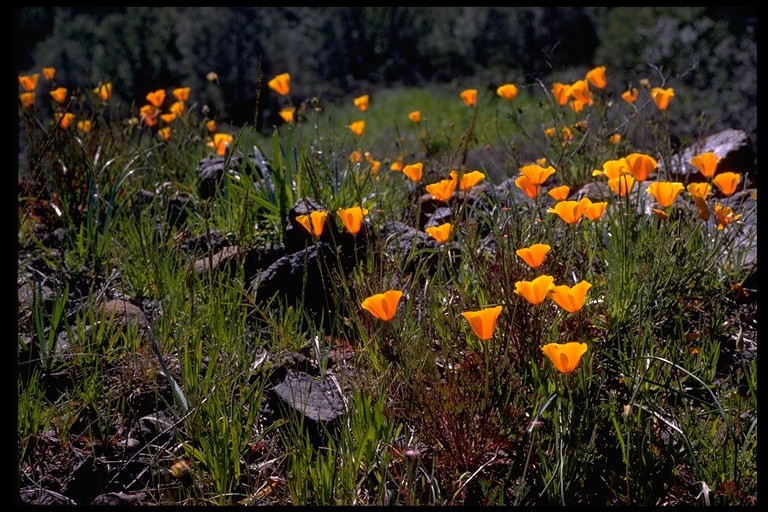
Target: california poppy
point(571, 211)
point(614, 168)
point(383, 305)
point(361, 102)
point(560, 193)
point(414, 171)
point(220, 143)
point(156, 98)
point(164, 133)
point(579, 90)
point(281, 84)
point(468, 179)
point(352, 218)
point(442, 190)
point(48, 73)
point(536, 173)
point(614, 138)
point(357, 127)
point(727, 182)
point(641, 165)
point(84, 125)
point(314, 222)
point(706, 163)
point(287, 114)
point(65, 120)
point(560, 92)
point(630, 96)
point(665, 192)
point(595, 210)
point(177, 108)
point(59, 94)
point(104, 91)
point(524, 184)
point(534, 255)
point(724, 216)
point(440, 233)
point(181, 93)
point(483, 322)
point(397, 165)
point(621, 185)
point(662, 97)
point(27, 99)
point(469, 96)
point(168, 117)
point(28, 82)
point(415, 116)
point(534, 291)
point(596, 77)
point(570, 298)
point(507, 91)
point(565, 356)
point(210, 125)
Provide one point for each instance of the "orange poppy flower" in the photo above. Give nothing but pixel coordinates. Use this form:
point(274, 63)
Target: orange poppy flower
point(640, 165)
point(164, 133)
point(84, 126)
point(383, 305)
point(630, 96)
point(570, 298)
point(524, 184)
point(314, 222)
point(468, 180)
point(621, 185)
point(469, 96)
point(727, 182)
point(560, 193)
point(507, 91)
point(177, 108)
point(483, 321)
point(397, 165)
point(220, 143)
point(576, 105)
point(536, 173)
point(534, 255)
point(181, 93)
point(724, 216)
point(702, 189)
point(48, 73)
point(104, 91)
point(352, 218)
point(168, 118)
point(440, 233)
point(287, 114)
point(614, 168)
point(534, 291)
point(662, 97)
point(281, 84)
point(571, 211)
point(59, 94)
point(27, 99)
point(156, 98)
point(66, 119)
point(357, 127)
point(28, 82)
point(210, 125)
point(560, 92)
point(665, 192)
point(615, 138)
point(596, 77)
point(414, 171)
point(565, 356)
point(550, 132)
point(579, 90)
point(595, 210)
point(706, 163)
point(361, 102)
point(415, 116)
point(442, 190)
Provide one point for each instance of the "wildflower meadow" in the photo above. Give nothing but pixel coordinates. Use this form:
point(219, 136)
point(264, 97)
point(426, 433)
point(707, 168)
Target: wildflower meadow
point(571, 324)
